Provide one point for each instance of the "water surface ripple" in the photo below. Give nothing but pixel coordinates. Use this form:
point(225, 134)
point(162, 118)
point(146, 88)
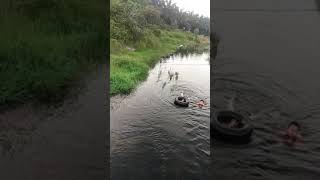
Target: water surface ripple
point(151, 138)
point(267, 66)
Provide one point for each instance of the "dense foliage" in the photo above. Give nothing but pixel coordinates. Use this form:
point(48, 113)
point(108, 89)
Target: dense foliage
point(153, 28)
point(132, 20)
point(45, 43)
point(128, 68)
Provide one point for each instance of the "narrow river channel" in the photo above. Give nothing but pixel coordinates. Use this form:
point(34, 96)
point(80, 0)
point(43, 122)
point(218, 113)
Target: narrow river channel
point(151, 138)
point(268, 66)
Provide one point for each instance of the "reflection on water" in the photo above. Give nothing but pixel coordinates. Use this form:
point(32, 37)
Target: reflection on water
point(151, 138)
point(266, 66)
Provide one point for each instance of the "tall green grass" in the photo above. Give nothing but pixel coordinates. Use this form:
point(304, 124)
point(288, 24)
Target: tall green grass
point(44, 44)
point(129, 68)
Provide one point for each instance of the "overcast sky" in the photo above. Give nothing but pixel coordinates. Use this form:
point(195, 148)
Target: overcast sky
point(201, 7)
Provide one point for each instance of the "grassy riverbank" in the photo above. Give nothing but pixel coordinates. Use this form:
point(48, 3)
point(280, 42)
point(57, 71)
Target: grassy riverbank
point(44, 46)
point(142, 31)
point(129, 68)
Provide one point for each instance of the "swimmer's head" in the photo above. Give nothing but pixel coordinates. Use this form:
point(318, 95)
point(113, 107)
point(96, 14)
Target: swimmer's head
point(294, 125)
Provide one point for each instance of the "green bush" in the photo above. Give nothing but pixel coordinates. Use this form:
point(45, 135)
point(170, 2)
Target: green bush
point(126, 73)
point(149, 40)
point(150, 27)
point(44, 44)
point(116, 46)
point(157, 32)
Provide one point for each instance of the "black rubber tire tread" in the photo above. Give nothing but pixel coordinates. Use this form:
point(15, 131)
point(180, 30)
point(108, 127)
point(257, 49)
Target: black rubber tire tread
point(233, 134)
point(181, 103)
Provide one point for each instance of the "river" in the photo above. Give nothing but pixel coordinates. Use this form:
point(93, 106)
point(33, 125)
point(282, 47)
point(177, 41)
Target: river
point(268, 66)
point(151, 138)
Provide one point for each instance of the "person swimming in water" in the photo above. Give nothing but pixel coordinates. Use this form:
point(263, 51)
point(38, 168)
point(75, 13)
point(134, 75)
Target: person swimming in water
point(201, 103)
point(292, 134)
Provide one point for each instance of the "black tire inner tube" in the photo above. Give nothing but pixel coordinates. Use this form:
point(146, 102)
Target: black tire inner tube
point(181, 101)
point(221, 120)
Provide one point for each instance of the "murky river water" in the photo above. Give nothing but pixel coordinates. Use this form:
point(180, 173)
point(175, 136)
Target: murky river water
point(268, 65)
point(65, 140)
point(151, 138)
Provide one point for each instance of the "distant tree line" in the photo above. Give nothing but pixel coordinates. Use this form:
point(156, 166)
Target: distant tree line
point(174, 16)
point(131, 19)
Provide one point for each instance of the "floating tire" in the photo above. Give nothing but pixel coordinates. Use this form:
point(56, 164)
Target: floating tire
point(181, 101)
point(221, 130)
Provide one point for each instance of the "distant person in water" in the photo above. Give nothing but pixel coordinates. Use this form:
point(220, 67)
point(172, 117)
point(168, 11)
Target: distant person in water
point(201, 103)
point(292, 134)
